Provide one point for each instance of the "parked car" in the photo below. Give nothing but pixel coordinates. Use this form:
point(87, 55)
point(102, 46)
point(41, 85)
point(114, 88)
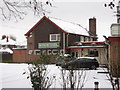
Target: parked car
point(62, 59)
point(82, 62)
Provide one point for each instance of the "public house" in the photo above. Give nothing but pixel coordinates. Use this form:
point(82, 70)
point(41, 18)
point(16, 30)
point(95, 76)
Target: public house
point(58, 37)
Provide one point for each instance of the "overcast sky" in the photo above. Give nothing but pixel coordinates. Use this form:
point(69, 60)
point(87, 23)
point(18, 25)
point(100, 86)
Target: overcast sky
point(77, 11)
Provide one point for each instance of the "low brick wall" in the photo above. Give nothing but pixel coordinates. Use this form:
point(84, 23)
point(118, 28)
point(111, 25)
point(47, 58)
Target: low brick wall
point(5, 57)
point(19, 55)
point(114, 55)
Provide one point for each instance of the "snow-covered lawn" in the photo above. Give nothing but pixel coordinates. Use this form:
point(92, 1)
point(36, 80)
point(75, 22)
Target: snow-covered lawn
point(11, 76)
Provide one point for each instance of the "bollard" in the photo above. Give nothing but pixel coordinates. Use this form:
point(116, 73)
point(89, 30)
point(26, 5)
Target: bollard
point(96, 85)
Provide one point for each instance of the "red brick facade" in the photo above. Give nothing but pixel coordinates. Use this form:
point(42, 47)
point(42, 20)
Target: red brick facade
point(114, 55)
point(19, 55)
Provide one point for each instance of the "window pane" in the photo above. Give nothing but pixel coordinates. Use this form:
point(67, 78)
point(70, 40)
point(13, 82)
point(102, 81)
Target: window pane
point(93, 53)
point(49, 52)
point(58, 37)
point(54, 52)
point(53, 37)
point(37, 52)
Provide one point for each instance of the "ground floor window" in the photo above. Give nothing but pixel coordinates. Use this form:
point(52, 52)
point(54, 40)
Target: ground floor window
point(30, 52)
point(44, 52)
point(49, 52)
point(73, 54)
point(76, 55)
point(37, 52)
point(93, 53)
point(62, 52)
point(55, 52)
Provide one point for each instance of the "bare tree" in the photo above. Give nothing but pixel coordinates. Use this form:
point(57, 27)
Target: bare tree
point(111, 4)
point(74, 79)
point(17, 9)
point(39, 74)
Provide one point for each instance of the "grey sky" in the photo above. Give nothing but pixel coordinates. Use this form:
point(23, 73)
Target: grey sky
point(77, 12)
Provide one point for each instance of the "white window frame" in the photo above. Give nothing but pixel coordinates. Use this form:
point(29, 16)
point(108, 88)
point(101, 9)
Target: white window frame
point(55, 53)
point(57, 35)
point(30, 52)
point(43, 52)
point(49, 53)
point(62, 51)
point(36, 51)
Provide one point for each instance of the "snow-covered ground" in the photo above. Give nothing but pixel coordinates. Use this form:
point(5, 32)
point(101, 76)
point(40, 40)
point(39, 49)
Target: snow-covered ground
point(11, 76)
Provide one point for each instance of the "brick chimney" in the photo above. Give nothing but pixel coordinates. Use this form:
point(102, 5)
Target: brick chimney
point(92, 26)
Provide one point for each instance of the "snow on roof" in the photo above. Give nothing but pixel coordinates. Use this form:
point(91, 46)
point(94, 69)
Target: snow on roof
point(66, 27)
point(70, 27)
point(6, 50)
point(10, 42)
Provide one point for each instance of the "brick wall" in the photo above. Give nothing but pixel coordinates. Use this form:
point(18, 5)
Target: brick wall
point(114, 55)
point(5, 57)
point(19, 55)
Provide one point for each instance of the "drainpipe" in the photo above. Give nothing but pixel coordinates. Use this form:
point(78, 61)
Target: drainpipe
point(64, 43)
point(67, 40)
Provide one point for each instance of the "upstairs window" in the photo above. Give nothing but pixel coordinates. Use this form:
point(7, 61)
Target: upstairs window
point(30, 35)
point(54, 37)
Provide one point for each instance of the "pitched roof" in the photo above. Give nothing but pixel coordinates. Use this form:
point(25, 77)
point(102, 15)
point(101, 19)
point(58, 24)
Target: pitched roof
point(66, 27)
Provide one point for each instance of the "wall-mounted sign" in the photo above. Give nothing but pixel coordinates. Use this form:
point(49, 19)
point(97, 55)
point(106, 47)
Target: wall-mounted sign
point(49, 45)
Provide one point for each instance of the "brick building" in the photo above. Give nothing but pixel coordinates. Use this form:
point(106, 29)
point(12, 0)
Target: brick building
point(114, 49)
point(55, 36)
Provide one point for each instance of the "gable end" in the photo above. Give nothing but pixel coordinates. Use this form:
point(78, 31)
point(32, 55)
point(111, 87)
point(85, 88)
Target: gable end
point(40, 22)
